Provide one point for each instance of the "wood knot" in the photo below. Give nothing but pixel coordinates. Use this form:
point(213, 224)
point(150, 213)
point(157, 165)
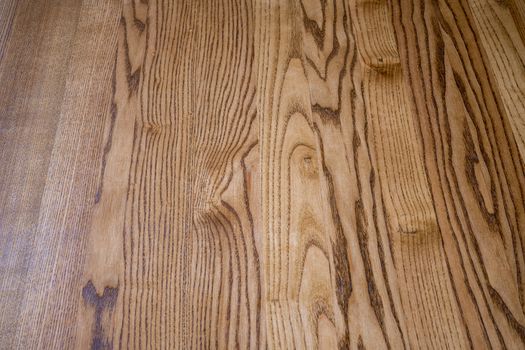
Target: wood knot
point(384, 65)
point(155, 127)
point(103, 306)
point(308, 166)
point(304, 160)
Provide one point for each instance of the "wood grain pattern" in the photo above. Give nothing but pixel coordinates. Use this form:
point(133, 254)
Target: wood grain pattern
point(432, 312)
point(499, 27)
point(177, 184)
point(476, 184)
point(34, 58)
point(302, 174)
point(57, 237)
point(7, 14)
point(301, 290)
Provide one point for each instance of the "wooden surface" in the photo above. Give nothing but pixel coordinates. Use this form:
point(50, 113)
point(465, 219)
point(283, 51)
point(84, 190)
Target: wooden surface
point(300, 174)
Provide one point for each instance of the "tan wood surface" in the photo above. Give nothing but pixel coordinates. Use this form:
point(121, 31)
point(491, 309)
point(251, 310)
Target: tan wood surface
point(251, 174)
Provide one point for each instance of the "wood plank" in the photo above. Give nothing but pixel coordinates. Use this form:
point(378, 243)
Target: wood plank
point(303, 308)
point(34, 60)
point(316, 47)
point(498, 27)
point(173, 233)
point(430, 307)
point(366, 282)
point(473, 166)
point(51, 235)
point(97, 322)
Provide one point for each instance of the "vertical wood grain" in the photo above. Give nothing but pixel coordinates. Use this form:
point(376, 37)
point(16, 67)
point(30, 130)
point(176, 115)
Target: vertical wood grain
point(367, 283)
point(429, 304)
point(58, 252)
point(473, 165)
point(498, 25)
point(319, 174)
point(34, 61)
point(310, 43)
point(7, 14)
point(190, 269)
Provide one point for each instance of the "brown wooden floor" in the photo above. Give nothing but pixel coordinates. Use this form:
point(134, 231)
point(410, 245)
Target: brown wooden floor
point(283, 174)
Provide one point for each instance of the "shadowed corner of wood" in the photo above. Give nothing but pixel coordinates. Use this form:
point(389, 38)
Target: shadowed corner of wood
point(103, 306)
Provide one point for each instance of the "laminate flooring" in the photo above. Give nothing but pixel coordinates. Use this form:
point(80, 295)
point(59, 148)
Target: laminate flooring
point(252, 174)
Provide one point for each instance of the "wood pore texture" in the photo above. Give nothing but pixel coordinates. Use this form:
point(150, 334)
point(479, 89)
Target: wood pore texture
point(262, 174)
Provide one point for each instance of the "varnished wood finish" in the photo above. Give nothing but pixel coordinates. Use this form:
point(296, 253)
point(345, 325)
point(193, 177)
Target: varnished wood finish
point(302, 174)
